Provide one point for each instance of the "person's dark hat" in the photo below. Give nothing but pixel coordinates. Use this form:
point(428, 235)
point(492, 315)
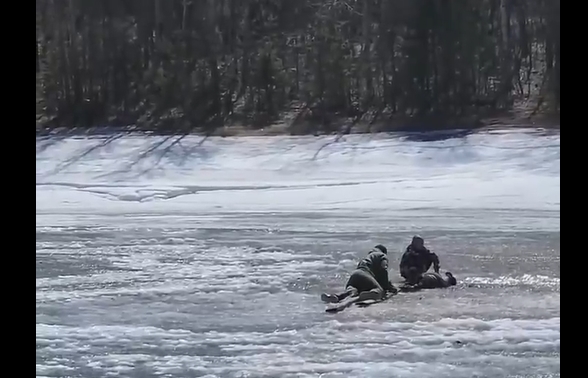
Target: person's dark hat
point(381, 248)
point(452, 280)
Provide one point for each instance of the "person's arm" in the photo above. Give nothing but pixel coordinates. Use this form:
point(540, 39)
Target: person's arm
point(435, 259)
point(408, 288)
point(383, 276)
point(404, 259)
point(391, 288)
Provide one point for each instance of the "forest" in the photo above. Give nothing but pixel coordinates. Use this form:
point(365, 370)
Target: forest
point(311, 66)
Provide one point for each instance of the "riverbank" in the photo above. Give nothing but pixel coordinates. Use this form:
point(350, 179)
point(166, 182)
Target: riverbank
point(422, 124)
point(289, 126)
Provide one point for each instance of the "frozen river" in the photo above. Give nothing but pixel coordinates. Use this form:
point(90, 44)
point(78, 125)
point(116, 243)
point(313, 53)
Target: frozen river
point(208, 260)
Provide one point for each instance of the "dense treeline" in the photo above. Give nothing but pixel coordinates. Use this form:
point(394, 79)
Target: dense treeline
point(200, 64)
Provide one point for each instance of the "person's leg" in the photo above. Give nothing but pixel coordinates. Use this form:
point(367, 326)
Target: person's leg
point(436, 280)
point(405, 272)
point(335, 298)
point(431, 281)
point(366, 285)
point(329, 298)
point(350, 289)
point(360, 283)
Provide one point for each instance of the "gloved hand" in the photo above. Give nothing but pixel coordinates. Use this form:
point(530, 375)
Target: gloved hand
point(392, 289)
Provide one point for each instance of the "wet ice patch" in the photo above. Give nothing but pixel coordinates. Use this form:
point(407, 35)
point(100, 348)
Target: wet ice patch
point(525, 280)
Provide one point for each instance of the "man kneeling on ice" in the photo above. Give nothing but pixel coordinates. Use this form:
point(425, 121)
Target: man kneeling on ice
point(369, 281)
point(417, 257)
point(428, 281)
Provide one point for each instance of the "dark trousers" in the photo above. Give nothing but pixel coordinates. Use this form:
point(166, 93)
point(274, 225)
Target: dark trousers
point(435, 281)
point(412, 275)
point(359, 281)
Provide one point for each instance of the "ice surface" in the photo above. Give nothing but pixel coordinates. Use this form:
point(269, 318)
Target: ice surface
point(209, 260)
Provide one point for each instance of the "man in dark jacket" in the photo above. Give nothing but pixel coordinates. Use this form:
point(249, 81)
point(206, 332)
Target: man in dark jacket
point(416, 260)
point(369, 280)
point(431, 281)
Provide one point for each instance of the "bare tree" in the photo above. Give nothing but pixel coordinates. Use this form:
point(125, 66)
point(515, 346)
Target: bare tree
point(197, 65)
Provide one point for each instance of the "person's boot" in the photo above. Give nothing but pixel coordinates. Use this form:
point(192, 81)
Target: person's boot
point(369, 295)
point(329, 298)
